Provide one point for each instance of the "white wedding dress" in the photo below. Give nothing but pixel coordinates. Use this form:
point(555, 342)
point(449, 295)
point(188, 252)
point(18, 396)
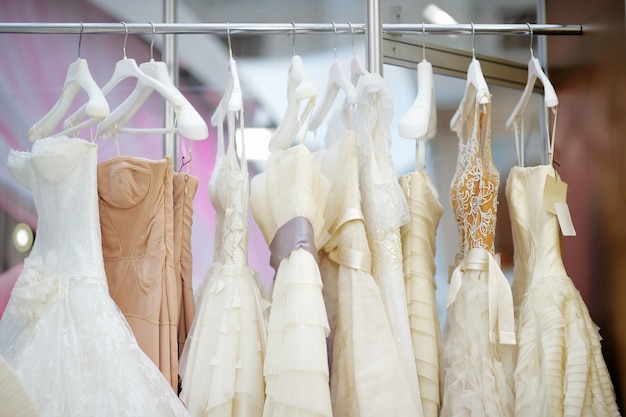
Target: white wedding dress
point(62, 333)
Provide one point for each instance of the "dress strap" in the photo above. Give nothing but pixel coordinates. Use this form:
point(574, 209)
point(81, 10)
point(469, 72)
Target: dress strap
point(501, 318)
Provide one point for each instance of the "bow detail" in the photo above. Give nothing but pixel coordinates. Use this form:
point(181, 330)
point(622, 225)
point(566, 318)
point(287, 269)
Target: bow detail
point(500, 296)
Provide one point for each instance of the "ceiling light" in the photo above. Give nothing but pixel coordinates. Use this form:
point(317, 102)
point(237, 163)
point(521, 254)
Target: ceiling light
point(22, 237)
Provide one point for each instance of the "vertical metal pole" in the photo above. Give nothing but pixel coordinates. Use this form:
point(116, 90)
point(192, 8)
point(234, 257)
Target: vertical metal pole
point(170, 57)
point(374, 31)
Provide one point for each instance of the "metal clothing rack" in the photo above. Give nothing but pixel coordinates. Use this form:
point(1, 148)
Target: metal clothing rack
point(289, 28)
point(388, 48)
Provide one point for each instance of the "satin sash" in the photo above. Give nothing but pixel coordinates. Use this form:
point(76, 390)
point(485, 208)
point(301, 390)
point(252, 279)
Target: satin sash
point(296, 233)
point(500, 296)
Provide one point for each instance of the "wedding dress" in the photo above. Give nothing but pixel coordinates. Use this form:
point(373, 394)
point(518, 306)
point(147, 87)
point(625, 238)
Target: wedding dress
point(137, 223)
point(288, 202)
point(365, 361)
point(560, 370)
point(478, 339)
point(221, 366)
point(62, 333)
point(385, 209)
point(418, 247)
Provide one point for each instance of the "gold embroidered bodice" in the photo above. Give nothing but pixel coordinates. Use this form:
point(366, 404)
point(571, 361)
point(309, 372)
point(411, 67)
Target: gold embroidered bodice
point(474, 192)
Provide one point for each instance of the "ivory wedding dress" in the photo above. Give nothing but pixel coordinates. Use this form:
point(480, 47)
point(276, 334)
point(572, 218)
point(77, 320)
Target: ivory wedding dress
point(478, 339)
point(288, 202)
point(365, 362)
point(418, 248)
point(560, 370)
point(385, 210)
point(221, 366)
point(62, 333)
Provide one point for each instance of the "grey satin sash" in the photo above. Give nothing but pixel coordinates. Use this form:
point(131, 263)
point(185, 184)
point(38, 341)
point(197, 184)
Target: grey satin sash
point(296, 233)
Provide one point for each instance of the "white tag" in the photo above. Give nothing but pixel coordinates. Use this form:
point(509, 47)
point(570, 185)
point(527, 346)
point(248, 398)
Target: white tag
point(565, 220)
point(554, 191)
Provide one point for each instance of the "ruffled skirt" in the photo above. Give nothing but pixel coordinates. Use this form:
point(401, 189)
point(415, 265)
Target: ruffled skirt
point(556, 333)
point(221, 366)
point(477, 375)
point(296, 362)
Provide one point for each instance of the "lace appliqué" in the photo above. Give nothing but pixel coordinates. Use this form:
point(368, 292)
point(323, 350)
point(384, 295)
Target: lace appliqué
point(474, 191)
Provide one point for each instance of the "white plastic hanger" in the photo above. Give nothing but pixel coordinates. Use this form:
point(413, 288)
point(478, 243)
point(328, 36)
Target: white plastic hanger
point(77, 77)
point(299, 87)
point(229, 106)
point(124, 68)
point(475, 79)
point(337, 81)
point(232, 99)
point(356, 66)
point(534, 72)
point(189, 122)
point(420, 121)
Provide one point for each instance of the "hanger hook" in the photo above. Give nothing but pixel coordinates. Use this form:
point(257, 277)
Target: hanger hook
point(473, 41)
point(530, 29)
point(152, 42)
point(230, 47)
point(423, 41)
point(352, 31)
point(335, 39)
point(293, 41)
point(80, 37)
point(125, 38)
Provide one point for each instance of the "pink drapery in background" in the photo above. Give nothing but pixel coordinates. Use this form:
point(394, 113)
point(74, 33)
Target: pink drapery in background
point(31, 78)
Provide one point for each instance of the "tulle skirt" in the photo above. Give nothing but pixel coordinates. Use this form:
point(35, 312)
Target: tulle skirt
point(221, 366)
point(555, 333)
point(296, 362)
point(477, 375)
point(74, 352)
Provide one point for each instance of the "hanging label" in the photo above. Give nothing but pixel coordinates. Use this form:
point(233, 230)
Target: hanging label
point(554, 191)
point(565, 219)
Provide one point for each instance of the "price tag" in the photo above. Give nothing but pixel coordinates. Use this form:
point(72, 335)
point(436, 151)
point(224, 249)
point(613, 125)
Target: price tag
point(554, 191)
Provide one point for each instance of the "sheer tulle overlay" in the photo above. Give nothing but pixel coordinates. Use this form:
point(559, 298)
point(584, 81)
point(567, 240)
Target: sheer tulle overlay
point(62, 333)
point(418, 247)
point(560, 369)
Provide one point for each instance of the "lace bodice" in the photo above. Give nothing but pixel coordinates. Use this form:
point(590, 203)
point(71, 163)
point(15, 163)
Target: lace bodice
point(61, 173)
point(474, 191)
point(229, 195)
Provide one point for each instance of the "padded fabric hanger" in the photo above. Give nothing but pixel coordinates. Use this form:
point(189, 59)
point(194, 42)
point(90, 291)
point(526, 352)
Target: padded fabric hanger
point(534, 72)
point(189, 122)
point(299, 87)
point(475, 82)
point(77, 77)
point(420, 121)
point(337, 81)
